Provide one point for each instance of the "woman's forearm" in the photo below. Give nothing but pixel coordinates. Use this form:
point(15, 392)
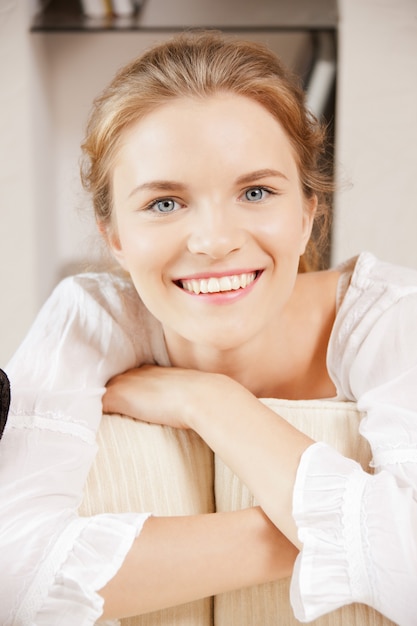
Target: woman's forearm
point(180, 559)
point(261, 447)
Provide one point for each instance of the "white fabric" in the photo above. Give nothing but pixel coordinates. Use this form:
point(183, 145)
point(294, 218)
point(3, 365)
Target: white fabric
point(52, 563)
point(358, 530)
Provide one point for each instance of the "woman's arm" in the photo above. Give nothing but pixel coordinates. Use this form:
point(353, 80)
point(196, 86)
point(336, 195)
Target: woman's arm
point(179, 559)
point(340, 511)
point(262, 448)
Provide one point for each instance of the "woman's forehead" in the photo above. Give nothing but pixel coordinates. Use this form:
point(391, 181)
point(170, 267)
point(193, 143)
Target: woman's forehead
point(198, 145)
point(185, 128)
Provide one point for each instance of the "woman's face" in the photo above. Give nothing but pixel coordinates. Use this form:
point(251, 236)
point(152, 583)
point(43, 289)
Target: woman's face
point(209, 218)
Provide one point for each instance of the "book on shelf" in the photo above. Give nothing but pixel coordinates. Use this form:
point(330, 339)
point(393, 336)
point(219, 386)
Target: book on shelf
point(106, 8)
point(96, 8)
point(123, 7)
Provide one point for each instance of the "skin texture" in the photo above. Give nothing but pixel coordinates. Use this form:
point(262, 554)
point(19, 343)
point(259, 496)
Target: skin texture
point(208, 189)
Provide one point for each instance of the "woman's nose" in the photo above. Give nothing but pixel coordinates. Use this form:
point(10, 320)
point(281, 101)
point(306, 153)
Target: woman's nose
point(216, 233)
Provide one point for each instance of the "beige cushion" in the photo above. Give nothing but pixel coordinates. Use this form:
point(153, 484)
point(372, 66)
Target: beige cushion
point(143, 467)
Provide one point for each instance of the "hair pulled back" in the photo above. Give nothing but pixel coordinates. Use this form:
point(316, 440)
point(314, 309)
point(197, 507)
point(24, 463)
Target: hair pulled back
point(198, 65)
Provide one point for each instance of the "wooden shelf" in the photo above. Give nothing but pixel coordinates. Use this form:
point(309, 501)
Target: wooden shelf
point(156, 15)
point(67, 16)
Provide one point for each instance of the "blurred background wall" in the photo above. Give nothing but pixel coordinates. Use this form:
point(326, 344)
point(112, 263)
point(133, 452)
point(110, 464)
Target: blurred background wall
point(47, 83)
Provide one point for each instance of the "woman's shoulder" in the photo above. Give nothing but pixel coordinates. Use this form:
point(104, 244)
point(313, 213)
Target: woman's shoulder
point(110, 300)
point(375, 320)
point(105, 292)
point(367, 272)
point(103, 285)
point(368, 287)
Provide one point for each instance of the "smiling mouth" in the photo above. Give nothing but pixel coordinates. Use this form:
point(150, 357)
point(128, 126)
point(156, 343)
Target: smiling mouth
point(218, 285)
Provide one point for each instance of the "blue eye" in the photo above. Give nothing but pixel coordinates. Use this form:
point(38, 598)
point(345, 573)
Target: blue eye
point(254, 194)
point(167, 205)
point(164, 205)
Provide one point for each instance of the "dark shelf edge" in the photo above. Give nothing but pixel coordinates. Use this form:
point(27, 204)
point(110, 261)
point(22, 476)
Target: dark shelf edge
point(108, 28)
point(72, 22)
point(67, 16)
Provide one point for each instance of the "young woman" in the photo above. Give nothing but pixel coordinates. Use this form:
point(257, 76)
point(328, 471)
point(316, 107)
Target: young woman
point(204, 168)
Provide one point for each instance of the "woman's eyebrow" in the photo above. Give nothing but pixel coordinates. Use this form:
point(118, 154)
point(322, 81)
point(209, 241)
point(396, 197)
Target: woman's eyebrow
point(256, 175)
point(158, 185)
point(171, 185)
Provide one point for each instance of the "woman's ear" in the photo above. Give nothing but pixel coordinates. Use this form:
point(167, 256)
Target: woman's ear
point(111, 237)
point(309, 213)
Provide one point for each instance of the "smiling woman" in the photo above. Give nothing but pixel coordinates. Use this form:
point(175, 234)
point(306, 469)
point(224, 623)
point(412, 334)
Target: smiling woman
point(206, 174)
point(234, 210)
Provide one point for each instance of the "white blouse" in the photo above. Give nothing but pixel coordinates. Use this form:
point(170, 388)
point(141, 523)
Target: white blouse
point(359, 531)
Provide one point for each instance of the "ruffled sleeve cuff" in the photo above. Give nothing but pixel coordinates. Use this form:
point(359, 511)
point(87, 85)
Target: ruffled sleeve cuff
point(88, 554)
point(330, 570)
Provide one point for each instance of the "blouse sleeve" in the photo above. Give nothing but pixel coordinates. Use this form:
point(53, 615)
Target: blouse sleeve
point(359, 530)
point(52, 561)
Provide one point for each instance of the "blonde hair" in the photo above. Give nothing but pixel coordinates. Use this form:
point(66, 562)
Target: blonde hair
point(198, 65)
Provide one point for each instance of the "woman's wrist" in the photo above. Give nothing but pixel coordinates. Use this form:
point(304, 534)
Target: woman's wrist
point(210, 392)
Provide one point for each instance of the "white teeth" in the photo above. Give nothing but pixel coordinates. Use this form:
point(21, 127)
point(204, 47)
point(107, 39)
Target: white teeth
point(215, 285)
point(225, 284)
point(203, 286)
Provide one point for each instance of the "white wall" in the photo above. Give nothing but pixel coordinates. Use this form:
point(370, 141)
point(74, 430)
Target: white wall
point(18, 223)
point(377, 130)
point(48, 82)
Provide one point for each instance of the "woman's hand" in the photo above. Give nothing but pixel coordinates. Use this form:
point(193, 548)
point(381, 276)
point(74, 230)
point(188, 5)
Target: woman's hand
point(162, 395)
